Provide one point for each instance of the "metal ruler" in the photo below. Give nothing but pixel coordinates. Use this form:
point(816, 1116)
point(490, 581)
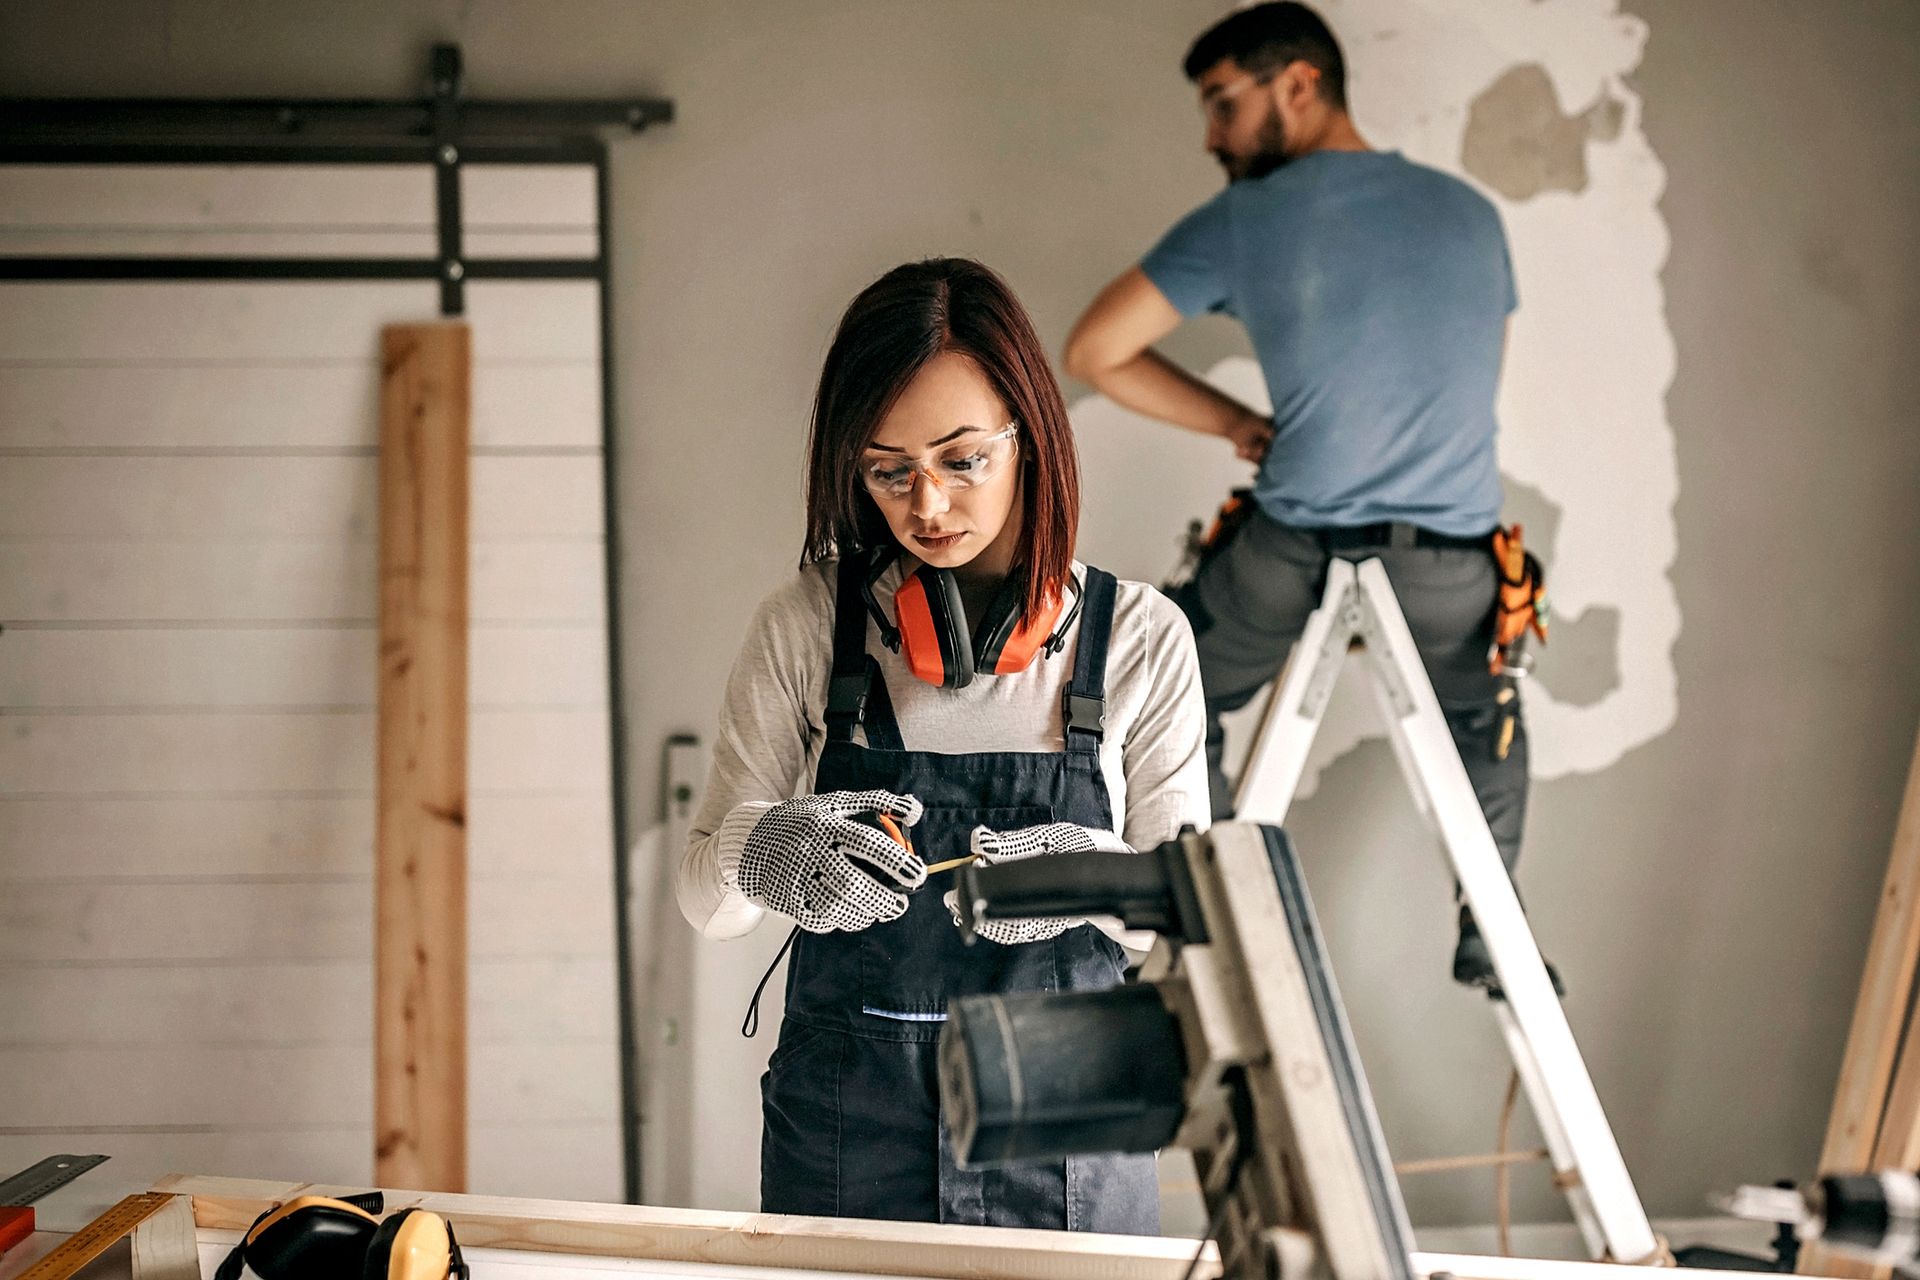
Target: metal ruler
point(49, 1175)
point(94, 1239)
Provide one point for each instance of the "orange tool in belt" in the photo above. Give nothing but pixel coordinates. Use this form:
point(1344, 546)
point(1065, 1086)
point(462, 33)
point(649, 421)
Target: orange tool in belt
point(1520, 610)
point(1521, 605)
point(1203, 541)
point(1237, 507)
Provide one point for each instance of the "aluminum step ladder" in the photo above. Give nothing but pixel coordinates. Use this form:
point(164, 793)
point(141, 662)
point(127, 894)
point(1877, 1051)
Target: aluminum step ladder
point(1359, 605)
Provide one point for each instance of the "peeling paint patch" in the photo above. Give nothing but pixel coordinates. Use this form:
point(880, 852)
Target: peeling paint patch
point(1520, 143)
point(1581, 666)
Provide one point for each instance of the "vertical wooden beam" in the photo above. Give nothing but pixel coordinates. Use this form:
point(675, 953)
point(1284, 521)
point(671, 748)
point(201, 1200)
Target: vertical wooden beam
point(420, 942)
point(1868, 1127)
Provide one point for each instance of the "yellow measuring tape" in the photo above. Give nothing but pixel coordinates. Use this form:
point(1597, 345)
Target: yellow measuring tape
point(94, 1239)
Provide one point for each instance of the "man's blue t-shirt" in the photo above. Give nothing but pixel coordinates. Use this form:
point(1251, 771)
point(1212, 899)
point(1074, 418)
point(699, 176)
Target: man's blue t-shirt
point(1376, 292)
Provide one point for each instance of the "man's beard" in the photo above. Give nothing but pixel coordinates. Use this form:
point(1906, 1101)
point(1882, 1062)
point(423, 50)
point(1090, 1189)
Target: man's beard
point(1269, 152)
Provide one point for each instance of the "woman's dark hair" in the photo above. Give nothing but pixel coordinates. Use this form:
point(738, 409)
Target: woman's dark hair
point(1265, 38)
point(897, 325)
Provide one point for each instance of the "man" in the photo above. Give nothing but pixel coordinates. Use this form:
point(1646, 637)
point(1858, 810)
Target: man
point(1376, 294)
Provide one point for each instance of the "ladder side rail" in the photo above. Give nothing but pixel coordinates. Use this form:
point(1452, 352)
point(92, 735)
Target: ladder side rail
point(1394, 698)
point(1272, 772)
point(1395, 702)
point(1516, 957)
point(1552, 1132)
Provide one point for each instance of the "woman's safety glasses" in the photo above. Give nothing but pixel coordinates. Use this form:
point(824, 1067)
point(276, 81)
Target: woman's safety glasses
point(960, 465)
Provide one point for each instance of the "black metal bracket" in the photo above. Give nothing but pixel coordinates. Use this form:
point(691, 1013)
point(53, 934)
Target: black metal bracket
point(446, 175)
point(443, 129)
point(53, 128)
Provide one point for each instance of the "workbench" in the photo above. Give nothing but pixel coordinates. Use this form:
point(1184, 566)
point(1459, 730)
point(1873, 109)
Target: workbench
point(512, 1238)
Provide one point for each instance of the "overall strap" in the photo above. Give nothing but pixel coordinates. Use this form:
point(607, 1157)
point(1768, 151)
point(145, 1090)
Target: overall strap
point(1085, 702)
point(856, 691)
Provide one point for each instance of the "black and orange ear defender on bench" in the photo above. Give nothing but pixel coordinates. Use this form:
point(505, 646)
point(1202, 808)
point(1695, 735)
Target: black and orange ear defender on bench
point(414, 1244)
point(931, 633)
point(321, 1238)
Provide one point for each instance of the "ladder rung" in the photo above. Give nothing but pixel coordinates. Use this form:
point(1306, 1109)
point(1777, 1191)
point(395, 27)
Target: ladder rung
point(1444, 1164)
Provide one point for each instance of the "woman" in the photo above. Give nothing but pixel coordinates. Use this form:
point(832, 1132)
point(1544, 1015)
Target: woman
point(941, 660)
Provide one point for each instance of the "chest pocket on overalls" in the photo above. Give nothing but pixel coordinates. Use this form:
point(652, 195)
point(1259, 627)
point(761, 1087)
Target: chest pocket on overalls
point(911, 967)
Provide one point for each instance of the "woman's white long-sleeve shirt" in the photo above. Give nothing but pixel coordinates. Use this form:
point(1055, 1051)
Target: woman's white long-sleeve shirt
point(773, 727)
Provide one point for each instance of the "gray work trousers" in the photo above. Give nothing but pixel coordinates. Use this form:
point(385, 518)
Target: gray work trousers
point(1250, 600)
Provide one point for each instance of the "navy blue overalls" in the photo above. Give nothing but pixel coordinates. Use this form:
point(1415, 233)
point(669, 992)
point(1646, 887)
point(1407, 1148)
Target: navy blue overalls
point(850, 1099)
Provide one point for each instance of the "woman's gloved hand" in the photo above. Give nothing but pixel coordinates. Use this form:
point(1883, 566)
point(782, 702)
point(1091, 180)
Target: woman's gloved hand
point(812, 859)
point(994, 847)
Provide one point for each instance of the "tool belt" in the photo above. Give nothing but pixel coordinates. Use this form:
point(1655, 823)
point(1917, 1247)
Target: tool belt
point(1203, 542)
point(1519, 611)
point(1520, 596)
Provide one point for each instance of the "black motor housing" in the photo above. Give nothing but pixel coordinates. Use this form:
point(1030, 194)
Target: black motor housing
point(1051, 1074)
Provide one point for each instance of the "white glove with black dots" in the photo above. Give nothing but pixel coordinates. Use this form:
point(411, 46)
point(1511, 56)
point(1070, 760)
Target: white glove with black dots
point(812, 860)
point(995, 847)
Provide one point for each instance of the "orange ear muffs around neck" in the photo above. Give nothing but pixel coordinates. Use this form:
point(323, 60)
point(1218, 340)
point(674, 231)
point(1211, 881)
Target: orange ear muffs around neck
point(940, 646)
point(934, 641)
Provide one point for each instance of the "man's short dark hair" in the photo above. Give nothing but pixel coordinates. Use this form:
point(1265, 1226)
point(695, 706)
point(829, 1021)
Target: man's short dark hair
point(1265, 38)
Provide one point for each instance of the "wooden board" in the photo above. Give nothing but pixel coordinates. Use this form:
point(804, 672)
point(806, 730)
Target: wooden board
point(578, 1161)
point(163, 1243)
point(1875, 1121)
point(420, 844)
point(748, 1244)
point(1886, 987)
point(740, 1240)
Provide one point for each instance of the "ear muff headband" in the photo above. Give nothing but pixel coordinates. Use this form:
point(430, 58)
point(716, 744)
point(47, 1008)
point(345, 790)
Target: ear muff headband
point(1016, 642)
point(1000, 624)
point(937, 644)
